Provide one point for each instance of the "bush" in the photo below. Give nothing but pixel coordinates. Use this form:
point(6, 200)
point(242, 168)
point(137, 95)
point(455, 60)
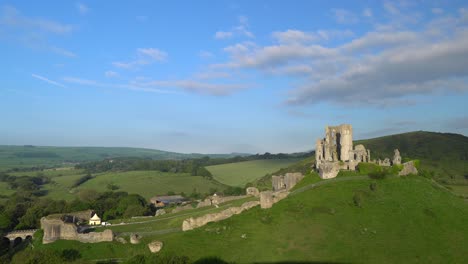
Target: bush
point(373, 186)
point(357, 199)
point(378, 175)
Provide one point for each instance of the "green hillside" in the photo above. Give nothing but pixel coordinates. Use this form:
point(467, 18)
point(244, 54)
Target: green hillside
point(240, 173)
point(400, 220)
point(443, 154)
point(29, 156)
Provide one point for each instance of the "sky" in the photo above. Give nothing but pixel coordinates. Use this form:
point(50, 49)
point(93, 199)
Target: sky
point(229, 76)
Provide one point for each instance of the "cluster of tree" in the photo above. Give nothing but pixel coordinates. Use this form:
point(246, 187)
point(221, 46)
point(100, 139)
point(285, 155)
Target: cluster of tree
point(82, 180)
point(25, 183)
point(23, 210)
point(195, 166)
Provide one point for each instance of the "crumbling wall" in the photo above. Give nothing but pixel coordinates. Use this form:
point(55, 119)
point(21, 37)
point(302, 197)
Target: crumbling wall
point(55, 229)
point(192, 223)
point(286, 182)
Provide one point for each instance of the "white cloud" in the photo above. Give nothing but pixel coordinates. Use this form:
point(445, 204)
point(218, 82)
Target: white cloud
point(154, 54)
point(82, 8)
point(437, 10)
point(193, 86)
point(391, 8)
point(205, 54)
point(12, 18)
point(144, 56)
point(384, 67)
point(212, 75)
point(293, 36)
point(223, 34)
point(343, 16)
point(63, 52)
point(42, 78)
point(239, 30)
point(367, 12)
point(111, 74)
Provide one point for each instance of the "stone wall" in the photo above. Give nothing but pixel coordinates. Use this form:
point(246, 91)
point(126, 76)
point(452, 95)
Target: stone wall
point(408, 168)
point(286, 182)
point(192, 223)
point(55, 229)
point(268, 198)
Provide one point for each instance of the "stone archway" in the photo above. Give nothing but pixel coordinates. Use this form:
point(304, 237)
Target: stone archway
point(17, 241)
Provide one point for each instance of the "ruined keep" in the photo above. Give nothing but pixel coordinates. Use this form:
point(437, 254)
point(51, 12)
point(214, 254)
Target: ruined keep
point(335, 152)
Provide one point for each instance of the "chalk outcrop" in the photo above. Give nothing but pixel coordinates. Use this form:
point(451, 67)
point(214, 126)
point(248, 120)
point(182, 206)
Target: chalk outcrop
point(408, 168)
point(252, 191)
point(155, 246)
point(160, 212)
point(268, 198)
point(192, 223)
point(135, 239)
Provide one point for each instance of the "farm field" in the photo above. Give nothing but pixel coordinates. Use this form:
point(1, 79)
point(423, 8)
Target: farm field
point(151, 183)
point(241, 173)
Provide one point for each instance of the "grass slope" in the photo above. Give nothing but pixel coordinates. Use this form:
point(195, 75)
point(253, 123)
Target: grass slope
point(240, 173)
point(28, 156)
point(405, 220)
point(445, 154)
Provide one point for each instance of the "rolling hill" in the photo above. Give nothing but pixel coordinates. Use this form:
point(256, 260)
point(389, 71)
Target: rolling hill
point(29, 156)
point(443, 155)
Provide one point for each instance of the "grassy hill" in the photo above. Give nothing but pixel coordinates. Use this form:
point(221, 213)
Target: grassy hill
point(240, 173)
point(403, 220)
point(444, 154)
point(29, 156)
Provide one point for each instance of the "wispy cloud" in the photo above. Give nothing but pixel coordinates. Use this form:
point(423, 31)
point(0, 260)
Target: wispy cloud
point(205, 54)
point(242, 29)
point(33, 32)
point(63, 52)
point(42, 78)
point(111, 74)
point(344, 16)
point(82, 8)
point(144, 56)
point(12, 18)
point(383, 67)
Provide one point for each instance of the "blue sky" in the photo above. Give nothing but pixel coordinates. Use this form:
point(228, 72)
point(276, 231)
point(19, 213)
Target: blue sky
point(229, 76)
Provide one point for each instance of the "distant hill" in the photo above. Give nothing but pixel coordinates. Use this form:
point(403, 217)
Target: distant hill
point(29, 156)
point(443, 154)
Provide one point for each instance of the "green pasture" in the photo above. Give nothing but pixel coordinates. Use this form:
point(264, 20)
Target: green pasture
point(241, 173)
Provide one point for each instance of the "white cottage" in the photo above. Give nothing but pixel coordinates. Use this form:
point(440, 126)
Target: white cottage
point(95, 220)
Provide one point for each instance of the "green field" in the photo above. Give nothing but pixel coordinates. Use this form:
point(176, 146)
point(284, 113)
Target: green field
point(145, 183)
point(151, 183)
point(404, 220)
point(241, 173)
point(29, 156)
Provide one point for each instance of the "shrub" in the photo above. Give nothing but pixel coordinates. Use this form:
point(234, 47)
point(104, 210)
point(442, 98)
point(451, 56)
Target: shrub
point(378, 175)
point(373, 186)
point(357, 199)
